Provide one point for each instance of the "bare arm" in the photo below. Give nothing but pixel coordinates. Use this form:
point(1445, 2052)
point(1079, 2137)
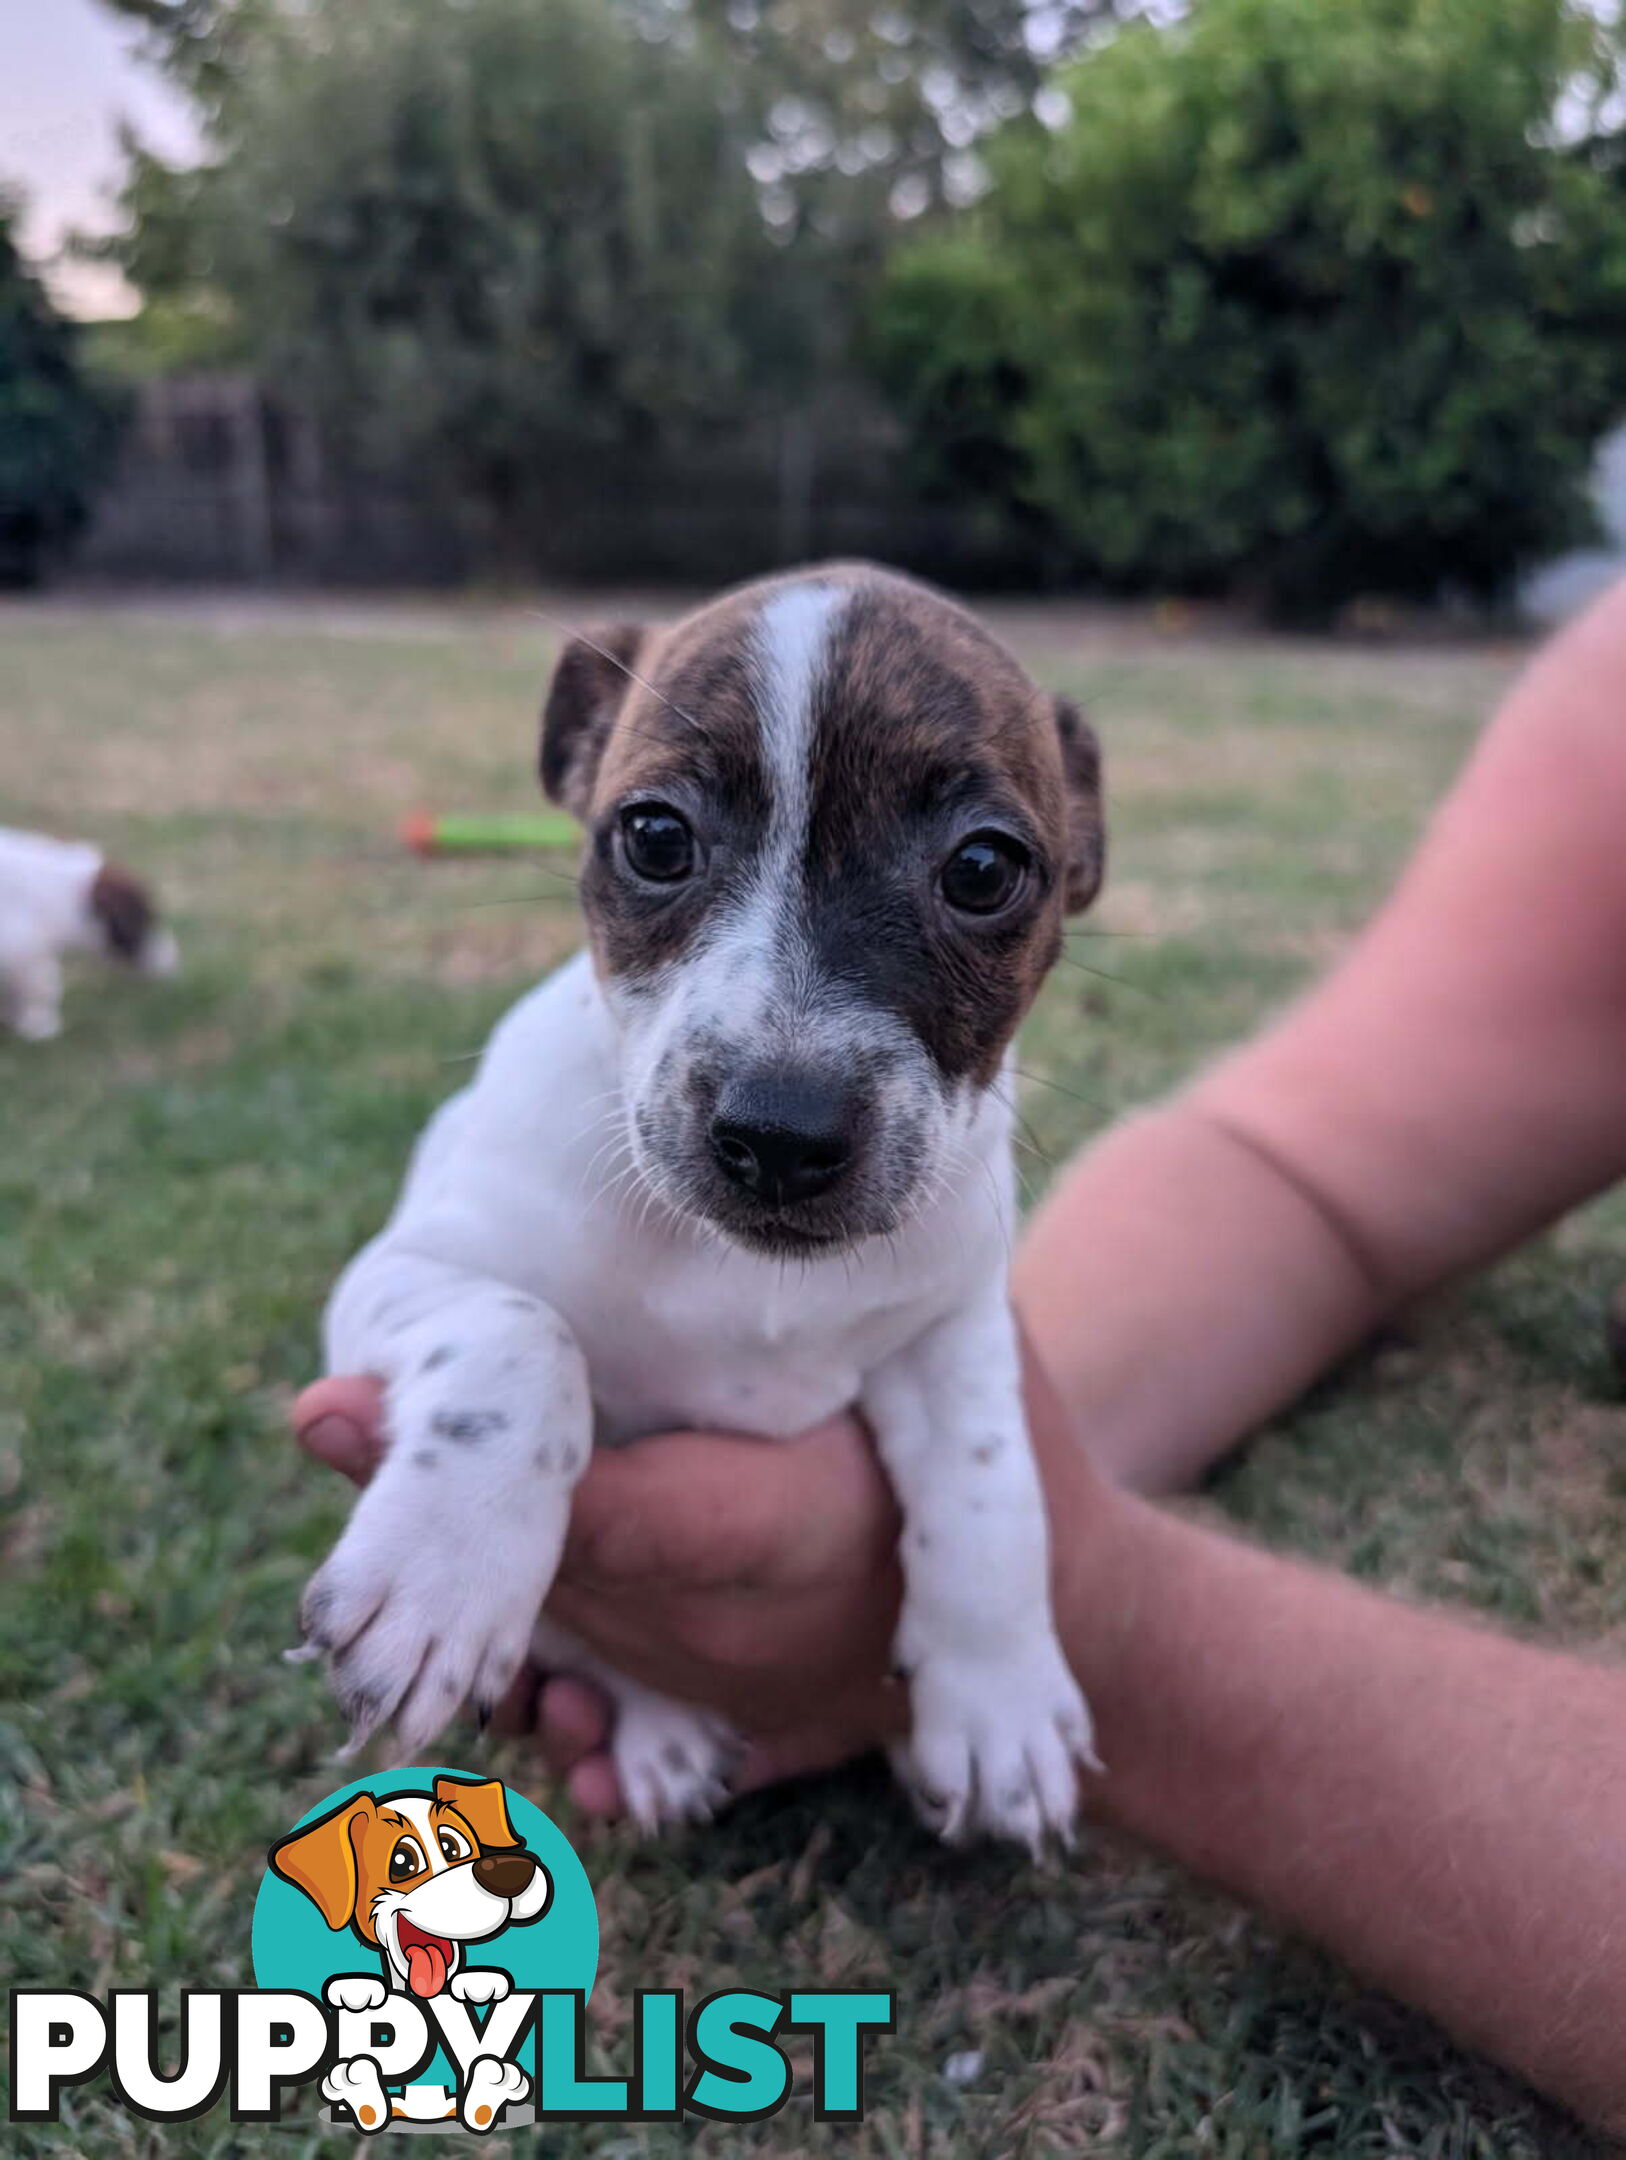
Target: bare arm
point(1458, 1082)
point(1439, 1806)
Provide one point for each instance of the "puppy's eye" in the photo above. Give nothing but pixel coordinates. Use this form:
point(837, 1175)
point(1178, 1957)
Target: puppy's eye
point(453, 1846)
point(985, 874)
point(657, 843)
point(406, 1858)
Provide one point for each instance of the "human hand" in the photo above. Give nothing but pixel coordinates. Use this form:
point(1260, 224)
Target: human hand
point(757, 1578)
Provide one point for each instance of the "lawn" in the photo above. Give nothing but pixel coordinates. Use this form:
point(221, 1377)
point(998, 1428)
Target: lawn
point(181, 1175)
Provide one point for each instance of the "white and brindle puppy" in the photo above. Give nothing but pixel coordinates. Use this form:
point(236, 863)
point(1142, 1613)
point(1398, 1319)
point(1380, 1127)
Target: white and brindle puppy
point(745, 1163)
point(62, 896)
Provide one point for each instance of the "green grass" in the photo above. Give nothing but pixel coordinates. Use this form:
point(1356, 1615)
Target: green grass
point(183, 1173)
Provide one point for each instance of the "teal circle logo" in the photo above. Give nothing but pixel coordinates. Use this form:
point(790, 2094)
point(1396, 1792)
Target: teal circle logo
point(431, 1889)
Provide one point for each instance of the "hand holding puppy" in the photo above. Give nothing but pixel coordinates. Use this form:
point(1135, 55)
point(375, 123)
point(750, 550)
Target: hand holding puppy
point(757, 1580)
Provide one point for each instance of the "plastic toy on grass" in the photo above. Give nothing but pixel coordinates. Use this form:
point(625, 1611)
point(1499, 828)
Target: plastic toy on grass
point(434, 836)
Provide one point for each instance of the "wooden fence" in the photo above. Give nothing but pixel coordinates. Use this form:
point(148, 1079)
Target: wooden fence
point(221, 481)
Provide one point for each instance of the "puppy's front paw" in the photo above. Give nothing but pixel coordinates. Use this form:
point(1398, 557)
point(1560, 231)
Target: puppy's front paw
point(480, 1984)
point(995, 1744)
point(492, 2086)
point(425, 1602)
point(358, 2086)
point(672, 1760)
point(356, 1991)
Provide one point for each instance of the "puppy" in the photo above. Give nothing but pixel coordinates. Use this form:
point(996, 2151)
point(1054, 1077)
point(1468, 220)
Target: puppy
point(60, 896)
point(744, 1163)
point(416, 1876)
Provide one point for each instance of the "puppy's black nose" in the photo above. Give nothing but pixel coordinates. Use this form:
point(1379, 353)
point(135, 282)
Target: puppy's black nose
point(505, 1874)
point(784, 1137)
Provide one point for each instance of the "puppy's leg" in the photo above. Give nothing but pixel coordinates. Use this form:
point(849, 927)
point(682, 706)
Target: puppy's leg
point(358, 2086)
point(432, 1591)
point(491, 2087)
point(34, 997)
point(998, 1719)
point(672, 1759)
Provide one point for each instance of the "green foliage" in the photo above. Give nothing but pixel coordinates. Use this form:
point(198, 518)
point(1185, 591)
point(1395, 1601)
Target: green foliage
point(55, 425)
point(198, 42)
point(482, 236)
point(168, 337)
point(1308, 300)
point(865, 107)
point(474, 234)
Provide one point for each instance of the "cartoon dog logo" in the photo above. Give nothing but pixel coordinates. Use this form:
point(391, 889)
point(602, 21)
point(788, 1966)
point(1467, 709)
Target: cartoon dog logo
point(415, 1876)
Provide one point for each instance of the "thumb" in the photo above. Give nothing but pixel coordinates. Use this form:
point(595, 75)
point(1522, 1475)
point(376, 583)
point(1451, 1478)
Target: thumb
point(691, 1511)
point(340, 1422)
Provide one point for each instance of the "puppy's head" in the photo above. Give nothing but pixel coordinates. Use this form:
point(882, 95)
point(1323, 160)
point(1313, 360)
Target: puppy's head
point(833, 832)
point(417, 1875)
point(126, 922)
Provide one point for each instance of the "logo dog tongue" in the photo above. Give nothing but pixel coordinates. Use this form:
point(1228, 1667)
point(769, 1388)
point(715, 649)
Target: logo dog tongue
point(428, 1957)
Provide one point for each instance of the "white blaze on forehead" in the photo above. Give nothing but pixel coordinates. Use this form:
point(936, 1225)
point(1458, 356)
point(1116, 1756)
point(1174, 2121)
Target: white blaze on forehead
point(419, 1813)
point(745, 965)
point(792, 638)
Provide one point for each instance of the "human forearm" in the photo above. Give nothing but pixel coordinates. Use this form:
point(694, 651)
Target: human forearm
point(1178, 1286)
point(1438, 1806)
point(1451, 1087)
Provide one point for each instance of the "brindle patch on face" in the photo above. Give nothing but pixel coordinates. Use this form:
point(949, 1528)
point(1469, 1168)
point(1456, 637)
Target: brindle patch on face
point(121, 905)
point(703, 759)
point(927, 732)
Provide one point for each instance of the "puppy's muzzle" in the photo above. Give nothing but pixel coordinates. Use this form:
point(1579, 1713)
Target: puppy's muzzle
point(784, 1136)
point(505, 1874)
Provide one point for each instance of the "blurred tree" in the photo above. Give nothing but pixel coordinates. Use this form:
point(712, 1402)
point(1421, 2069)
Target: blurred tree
point(888, 96)
point(479, 235)
point(847, 89)
point(1318, 301)
point(484, 235)
point(199, 42)
point(56, 426)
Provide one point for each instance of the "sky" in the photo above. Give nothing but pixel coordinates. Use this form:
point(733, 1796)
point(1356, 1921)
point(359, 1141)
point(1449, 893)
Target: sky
point(68, 76)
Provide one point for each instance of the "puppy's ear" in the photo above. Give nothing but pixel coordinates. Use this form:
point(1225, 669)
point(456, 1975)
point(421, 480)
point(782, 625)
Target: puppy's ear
point(589, 683)
point(1086, 830)
point(123, 909)
point(321, 1859)
point(482, 1807)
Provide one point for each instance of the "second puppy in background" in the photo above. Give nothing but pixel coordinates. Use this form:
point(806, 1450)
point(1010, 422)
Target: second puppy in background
point(744, 1164)
point(64, 896)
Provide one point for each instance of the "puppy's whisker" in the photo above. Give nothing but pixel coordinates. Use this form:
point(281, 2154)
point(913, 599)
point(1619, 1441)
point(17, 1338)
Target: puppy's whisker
point(632, 674)
point(1044, 1080)
point(999, 1212)
point(1124, 982)
point(1032, 1138)
point(611, 1176)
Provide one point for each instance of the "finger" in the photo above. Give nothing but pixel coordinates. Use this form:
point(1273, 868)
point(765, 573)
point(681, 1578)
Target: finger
point(596, 1790)
point(338, 1422)
point(574, 1723)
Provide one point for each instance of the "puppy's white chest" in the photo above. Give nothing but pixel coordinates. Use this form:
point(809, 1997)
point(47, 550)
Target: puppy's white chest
point(516, 1182)
point(756, 1356)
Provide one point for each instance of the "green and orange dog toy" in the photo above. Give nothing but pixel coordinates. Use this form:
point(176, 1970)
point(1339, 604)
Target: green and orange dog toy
point(434, 837)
